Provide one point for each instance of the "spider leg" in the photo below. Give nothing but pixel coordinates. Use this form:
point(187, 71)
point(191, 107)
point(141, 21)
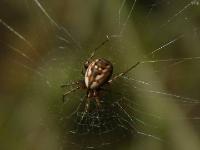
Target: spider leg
point(98, 103)
point(123, 73)
point(72, 90)
point(70, 84)
point(87, 105)
point(98, 47)
point(80, 83)
point(97, 99)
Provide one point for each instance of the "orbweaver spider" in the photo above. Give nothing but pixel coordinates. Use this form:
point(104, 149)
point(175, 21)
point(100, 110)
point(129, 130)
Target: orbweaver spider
point(98, 72)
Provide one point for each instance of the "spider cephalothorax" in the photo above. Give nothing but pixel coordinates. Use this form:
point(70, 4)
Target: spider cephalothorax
point(98, 72)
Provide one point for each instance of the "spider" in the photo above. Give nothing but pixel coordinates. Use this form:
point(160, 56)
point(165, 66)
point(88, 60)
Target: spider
point(98, 73)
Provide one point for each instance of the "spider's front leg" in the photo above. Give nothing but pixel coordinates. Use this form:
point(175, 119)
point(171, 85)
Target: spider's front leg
point(80, 85)
point(70, 84)
point(68, 92)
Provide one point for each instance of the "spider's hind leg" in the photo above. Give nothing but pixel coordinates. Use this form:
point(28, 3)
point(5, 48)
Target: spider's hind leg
point(87, 106)
point(97, 98)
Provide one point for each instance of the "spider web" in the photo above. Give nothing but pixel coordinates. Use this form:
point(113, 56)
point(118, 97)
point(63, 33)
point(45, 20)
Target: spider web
point(135, 109)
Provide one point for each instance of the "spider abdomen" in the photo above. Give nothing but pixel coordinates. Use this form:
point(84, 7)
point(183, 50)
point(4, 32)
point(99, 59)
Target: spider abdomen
point(98, 73)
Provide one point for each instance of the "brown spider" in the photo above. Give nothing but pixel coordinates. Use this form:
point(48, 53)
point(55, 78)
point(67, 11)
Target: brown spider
point(98, 72)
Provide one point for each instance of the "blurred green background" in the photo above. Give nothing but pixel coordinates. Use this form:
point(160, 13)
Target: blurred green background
point(31, 108)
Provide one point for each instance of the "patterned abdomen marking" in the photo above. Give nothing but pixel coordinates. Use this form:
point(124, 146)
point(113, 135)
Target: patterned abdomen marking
point(98, 72)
